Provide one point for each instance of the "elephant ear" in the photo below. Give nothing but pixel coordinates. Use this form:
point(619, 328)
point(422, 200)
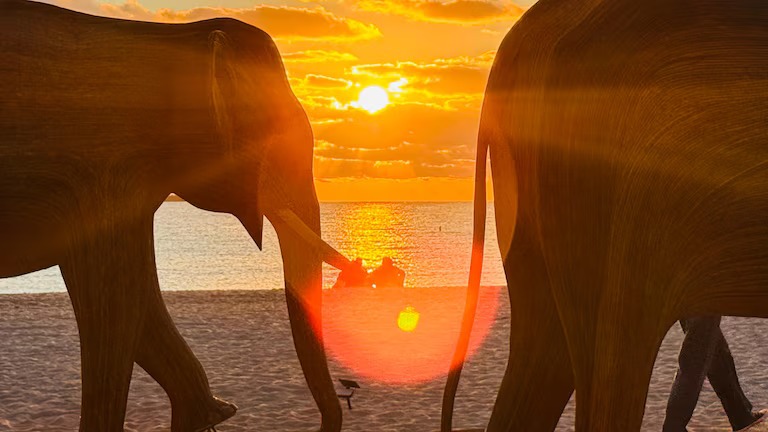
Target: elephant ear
point(223, 87)
point(224, 97)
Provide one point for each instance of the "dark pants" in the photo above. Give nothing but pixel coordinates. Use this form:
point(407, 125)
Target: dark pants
point(705, 353)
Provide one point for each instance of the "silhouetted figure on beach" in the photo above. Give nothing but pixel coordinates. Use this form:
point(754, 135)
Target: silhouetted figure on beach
point(387, 275)
point(705, 353)
point(353, 276)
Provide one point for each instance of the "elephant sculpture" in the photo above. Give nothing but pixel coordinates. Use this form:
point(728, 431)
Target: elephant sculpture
point(100, 120)
point(629, 149)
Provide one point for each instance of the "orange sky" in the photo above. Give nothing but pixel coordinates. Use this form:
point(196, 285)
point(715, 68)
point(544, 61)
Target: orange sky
point(430, 58)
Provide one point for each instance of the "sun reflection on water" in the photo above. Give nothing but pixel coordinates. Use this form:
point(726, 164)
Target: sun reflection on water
point(374, 231)
point(431, 242)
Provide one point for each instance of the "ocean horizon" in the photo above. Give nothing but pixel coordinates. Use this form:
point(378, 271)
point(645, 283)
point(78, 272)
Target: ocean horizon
point(199, 250)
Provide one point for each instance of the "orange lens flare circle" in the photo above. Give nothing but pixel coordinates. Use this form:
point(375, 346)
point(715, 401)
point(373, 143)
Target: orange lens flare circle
point(401, 335)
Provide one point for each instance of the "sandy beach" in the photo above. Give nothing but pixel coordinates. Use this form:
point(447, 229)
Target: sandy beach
point(243, 340)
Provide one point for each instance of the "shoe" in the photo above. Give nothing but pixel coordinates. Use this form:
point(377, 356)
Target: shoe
point(760, 417)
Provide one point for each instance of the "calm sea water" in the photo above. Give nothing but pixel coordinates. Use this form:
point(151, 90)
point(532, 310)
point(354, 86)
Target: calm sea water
point(198, 250)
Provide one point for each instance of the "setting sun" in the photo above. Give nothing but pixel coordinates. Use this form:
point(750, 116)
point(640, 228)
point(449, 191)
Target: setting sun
point(373, 98)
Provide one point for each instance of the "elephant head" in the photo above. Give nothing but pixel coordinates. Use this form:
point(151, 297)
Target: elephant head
point(261, 166)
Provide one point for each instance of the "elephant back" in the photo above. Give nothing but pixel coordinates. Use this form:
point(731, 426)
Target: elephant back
point(636, 131)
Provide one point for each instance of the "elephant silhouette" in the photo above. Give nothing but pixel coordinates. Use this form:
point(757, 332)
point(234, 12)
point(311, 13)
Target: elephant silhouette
point(629, 149)
point(100, 120)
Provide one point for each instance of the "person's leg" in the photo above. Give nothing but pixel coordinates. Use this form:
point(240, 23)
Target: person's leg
point(694, 360)
point(724, 380)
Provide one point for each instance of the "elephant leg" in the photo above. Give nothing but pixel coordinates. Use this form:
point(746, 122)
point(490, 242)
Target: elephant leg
point(613, 370)
point(538, 354)
point(105, 273)
point(309, 344)
point(164, 355)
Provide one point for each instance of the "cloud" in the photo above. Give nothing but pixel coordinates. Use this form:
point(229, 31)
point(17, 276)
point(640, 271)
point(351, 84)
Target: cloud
point(328, 168)
point(318, 56)
point(284, 22)
point(431, 189)
point(87, 6)
point(432, 143)
point(320, 81)
point(448, 76)
point(449, 83)
point(428, 130)
point(439, 95)
point(410, 123)
point(332, 168)
point(456, 11)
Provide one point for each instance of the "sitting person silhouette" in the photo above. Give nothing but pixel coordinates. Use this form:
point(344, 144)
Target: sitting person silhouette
point(387, 275)
point(705, 353)
point(353, 276)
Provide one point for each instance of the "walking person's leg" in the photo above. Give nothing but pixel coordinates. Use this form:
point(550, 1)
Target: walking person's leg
point(724, 380)
point(694, 360)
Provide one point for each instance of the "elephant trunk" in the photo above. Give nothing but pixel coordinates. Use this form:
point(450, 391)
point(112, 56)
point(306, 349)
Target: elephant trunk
point(302, 266)
point(473, 288)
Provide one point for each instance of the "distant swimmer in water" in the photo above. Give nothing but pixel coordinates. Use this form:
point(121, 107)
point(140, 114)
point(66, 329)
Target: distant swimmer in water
point(387, 275)
point(353, 276)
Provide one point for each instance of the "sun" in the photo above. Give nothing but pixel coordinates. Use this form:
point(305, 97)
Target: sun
point(373, 98)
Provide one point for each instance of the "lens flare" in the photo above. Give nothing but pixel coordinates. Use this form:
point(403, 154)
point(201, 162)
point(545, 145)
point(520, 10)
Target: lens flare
point(366, 330)
point(408, 319)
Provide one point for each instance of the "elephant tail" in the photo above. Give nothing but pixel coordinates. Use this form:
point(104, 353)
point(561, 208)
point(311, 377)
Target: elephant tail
point(473, 288)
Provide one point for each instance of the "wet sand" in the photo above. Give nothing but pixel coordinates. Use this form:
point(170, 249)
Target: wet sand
point(243, 340)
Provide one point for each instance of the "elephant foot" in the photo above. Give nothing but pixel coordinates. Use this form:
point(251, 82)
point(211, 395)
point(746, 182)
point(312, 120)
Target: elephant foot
point(202, 420)
point(221, 411)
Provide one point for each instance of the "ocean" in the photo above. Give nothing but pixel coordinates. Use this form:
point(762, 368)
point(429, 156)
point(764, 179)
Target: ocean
point(199, 250)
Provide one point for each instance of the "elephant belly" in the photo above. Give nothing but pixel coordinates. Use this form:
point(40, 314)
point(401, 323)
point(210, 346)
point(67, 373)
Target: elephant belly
point(33, 237)
point(38, 210)
point(19, 256)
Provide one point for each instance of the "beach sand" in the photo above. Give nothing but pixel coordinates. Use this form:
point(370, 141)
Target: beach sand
point(243, 340)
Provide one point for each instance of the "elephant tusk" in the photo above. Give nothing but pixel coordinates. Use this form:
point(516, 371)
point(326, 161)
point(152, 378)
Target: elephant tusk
point(327, 252)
